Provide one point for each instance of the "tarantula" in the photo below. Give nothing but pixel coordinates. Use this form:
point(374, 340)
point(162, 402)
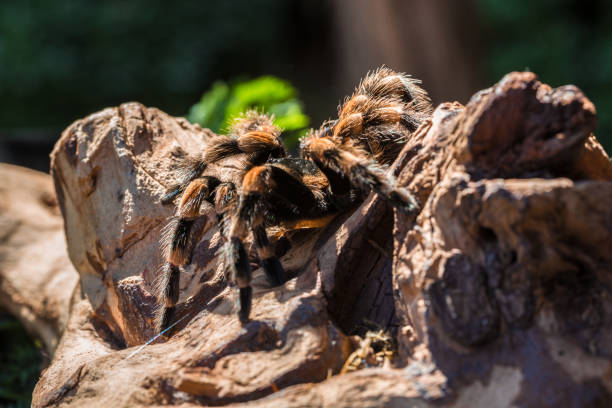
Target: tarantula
point(246, 182)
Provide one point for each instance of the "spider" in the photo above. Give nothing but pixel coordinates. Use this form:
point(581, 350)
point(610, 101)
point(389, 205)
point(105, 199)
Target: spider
point(246, 182)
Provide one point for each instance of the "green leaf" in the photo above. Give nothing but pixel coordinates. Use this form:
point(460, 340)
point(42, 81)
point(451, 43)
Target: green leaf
point(210, 112)
point(220, 105)
point(288, 115)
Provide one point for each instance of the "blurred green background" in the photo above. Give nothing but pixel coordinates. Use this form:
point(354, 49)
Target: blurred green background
point(21, 359)
point(63, 59)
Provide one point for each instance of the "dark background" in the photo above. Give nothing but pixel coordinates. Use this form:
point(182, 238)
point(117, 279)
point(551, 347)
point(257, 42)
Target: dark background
point(63, 59)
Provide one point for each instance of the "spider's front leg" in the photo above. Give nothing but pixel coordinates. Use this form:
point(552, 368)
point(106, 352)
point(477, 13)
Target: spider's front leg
point(193, 218)
point(340, 162)
point(371, 129)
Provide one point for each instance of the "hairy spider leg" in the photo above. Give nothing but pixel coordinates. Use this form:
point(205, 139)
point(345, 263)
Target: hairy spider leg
point(275, 193)
point(193, 218)
point(363, 173)
point(371, 129)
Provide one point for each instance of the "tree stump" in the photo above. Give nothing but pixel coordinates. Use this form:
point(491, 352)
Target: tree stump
point(497, 290)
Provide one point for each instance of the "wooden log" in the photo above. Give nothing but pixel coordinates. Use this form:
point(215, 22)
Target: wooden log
point(497, 290)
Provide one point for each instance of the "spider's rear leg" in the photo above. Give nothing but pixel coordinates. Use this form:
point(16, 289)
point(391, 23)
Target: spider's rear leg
point(362, 171)
point(182, 233)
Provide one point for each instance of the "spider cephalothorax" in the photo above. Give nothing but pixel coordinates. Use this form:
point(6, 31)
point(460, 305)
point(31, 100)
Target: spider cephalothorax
point(246, 183)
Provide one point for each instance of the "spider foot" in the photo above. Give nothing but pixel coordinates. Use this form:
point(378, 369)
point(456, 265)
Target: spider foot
point(244, 305)
point(165, 321)
point(403, 200)
point(274, 271)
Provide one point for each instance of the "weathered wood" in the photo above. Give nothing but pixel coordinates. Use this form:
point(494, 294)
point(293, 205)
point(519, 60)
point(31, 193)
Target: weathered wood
point(504, 277)
point(497, 289)
point(36, 276)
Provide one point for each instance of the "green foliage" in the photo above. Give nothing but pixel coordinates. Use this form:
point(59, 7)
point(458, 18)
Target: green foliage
point(223, 103)
point(562, 41)
point(20, 362)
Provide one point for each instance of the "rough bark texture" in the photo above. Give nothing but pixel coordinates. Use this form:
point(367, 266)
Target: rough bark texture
point(498, 289)
point(503, 279)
